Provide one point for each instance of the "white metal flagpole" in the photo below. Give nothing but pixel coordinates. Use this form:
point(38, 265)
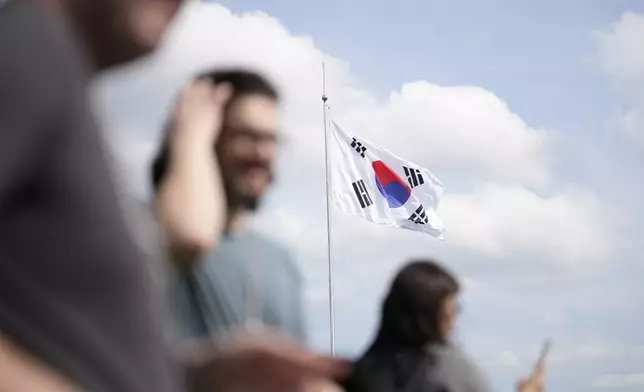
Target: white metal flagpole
point(328, 210)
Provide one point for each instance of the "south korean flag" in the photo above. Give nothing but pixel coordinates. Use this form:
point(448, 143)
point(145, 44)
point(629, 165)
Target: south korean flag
point(372, 183)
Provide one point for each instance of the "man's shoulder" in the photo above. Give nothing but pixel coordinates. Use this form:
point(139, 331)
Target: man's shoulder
point(32, 33)
point(41, 62)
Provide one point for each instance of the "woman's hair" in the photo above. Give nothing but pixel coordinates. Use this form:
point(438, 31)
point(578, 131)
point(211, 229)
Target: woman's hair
point(410, 319)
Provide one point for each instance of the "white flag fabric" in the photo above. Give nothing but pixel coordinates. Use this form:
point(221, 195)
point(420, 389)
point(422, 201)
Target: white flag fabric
point(374, 184)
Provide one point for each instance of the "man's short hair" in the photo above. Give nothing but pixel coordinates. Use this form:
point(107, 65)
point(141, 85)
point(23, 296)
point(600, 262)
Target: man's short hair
point(243, 82)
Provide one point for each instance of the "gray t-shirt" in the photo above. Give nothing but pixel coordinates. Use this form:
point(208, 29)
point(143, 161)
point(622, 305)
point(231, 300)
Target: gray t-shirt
point(74, 290)
point(450, 371)
point(436, 368)
point(246, 277)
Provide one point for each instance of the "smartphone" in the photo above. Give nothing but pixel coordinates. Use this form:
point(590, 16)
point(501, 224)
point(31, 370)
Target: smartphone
point(544, 353)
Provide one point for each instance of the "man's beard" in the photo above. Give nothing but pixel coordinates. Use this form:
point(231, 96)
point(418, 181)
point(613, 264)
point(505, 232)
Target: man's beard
point(244, 202)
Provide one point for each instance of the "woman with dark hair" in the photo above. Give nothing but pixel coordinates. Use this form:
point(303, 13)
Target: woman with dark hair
point(412, 350)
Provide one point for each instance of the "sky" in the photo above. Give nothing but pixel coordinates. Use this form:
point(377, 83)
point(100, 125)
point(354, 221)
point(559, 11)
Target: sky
point(530, 113)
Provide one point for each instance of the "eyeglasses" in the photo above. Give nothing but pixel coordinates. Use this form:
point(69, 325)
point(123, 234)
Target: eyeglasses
point(251, 137)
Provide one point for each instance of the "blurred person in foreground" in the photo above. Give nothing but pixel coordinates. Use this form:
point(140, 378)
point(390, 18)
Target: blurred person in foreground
point(208, 179)
point(78, 308)
point(412, 350)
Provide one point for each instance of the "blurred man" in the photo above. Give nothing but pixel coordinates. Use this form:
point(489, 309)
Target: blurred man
point(208, 178)
point(76, 302)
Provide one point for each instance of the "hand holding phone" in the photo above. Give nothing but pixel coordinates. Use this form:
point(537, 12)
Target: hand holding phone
point(536, 383)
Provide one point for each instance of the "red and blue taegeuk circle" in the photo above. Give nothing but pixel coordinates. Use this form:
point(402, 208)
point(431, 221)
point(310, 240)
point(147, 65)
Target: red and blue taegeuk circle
point(394, 189)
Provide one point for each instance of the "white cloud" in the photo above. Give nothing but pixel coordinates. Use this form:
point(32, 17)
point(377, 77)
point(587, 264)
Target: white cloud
point(507, 223)
point(499, 221)
point(462, 127)
point(134, 157)
point(509, 359)
point(619, 381)
point(633, 121)
point(596, 351)
point(621, 50)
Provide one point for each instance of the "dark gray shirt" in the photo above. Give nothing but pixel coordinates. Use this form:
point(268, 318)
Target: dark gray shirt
point(74, 291)
point(246, 276)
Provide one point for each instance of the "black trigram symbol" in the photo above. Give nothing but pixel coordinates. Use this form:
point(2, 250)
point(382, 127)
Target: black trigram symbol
point(362, 194)
point(414, 177)
point(419, 216)
point(360, 149)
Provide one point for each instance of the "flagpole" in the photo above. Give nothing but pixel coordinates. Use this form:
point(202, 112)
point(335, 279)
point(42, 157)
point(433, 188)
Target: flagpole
point(328, 211)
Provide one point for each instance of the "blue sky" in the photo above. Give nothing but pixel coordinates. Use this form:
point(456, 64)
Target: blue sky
point(517, 108)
